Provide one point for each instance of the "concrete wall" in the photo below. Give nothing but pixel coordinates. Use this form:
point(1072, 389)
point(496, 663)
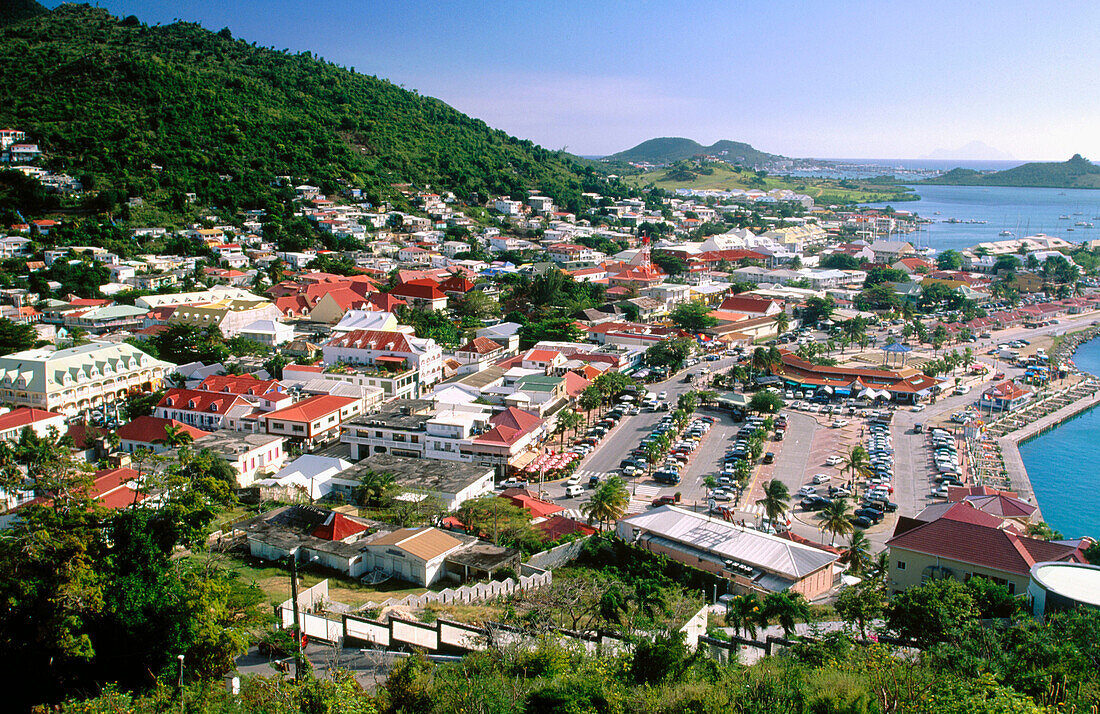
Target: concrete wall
point(559, 556)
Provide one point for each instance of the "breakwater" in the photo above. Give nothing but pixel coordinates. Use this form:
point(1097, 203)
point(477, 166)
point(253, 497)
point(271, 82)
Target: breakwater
point(1065, 349)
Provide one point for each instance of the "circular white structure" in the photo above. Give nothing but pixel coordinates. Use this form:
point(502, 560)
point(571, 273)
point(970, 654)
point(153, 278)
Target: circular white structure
point(1063, 586)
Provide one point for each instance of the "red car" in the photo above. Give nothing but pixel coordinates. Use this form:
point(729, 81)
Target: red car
point(664, 501)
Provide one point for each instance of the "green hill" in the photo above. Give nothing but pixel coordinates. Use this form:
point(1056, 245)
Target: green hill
point(670, 149)
point(160, 111)
point(1078, 172)
point(15, 10)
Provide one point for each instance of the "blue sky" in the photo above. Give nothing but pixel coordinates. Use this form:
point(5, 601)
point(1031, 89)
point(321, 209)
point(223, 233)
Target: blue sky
point(840, 79)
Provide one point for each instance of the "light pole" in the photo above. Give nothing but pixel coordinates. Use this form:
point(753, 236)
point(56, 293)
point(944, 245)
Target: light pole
point(180, 658)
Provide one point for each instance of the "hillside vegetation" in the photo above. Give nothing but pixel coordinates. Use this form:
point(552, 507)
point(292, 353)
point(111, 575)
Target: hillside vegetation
point(1078, 172)
point(670, 149)
point(160, 111)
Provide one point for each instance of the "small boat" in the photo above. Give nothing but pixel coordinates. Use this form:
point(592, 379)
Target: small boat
point(1080, 223)
point(1006, 234)
point(1063, 218)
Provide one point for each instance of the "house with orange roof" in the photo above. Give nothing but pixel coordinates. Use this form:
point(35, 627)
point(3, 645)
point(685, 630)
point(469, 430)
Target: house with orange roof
point(422, 293)
point(314, 420)
point(478, 354)
point(148, 432)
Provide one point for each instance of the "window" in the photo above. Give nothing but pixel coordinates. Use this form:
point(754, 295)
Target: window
point(298, 428)
point(901, 565)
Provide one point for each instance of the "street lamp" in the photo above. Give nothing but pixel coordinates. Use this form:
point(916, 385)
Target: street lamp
point(180, 658)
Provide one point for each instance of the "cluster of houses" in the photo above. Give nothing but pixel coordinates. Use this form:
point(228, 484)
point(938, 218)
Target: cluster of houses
point(364, 393)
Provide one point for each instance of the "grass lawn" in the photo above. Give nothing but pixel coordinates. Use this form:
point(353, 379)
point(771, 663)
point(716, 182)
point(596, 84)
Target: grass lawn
point(275, 581)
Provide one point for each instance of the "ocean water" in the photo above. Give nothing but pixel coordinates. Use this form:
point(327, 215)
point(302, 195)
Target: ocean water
point(1063, 465)
point(1022, 211)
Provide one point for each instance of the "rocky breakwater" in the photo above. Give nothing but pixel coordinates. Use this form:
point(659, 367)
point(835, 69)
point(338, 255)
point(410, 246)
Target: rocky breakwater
point(1063, 351)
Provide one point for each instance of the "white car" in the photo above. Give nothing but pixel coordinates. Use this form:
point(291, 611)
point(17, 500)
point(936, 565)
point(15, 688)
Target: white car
point(807, 490)
point(834, 461)
point(918, 408)
point(840, 424)
point(573, 480)
point(820, 478)
point(662, 396)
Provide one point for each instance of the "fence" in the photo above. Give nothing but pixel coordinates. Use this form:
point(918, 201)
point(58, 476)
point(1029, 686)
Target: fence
point(559, 556)
point(314, 626)
point(471, 593)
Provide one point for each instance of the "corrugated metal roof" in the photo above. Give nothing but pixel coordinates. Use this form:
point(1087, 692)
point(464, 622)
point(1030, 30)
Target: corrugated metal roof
point(732, 542)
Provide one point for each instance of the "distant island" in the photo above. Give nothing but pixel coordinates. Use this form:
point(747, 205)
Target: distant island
point(1078, 172)
point(668, 150)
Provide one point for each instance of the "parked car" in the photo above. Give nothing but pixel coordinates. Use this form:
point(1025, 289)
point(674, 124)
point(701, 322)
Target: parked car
point(664, 501)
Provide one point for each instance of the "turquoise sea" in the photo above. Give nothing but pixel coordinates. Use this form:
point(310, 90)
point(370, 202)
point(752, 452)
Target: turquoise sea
point(1064, 467)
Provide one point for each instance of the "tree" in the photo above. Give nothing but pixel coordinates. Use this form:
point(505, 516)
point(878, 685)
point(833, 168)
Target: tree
point(840, 261)
point(141, 404)
point(670, 353)
point(776, 501)
point(374, 488)
point(949, 260)
point(766, 402)
point(494, 518)
point(835, 518)
point(15, 337)
point(475, 304)
point(589, 399)
point(782, 322)
point(184, 343)
point(744, 614)
point(857, 556)
point(817, 309)
point(786, 608)
point(932, 612)
point(856, 462)
point(692, 317)
point(609, 502)
point(568, 420)
point(878, 297)
point(859, 605)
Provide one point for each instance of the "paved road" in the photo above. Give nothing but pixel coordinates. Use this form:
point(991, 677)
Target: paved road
point(605, 458)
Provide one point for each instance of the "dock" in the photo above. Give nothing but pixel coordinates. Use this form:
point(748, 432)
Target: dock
point(1009, 443)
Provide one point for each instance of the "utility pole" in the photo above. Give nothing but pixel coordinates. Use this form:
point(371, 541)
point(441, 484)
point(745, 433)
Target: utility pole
point(297, 624)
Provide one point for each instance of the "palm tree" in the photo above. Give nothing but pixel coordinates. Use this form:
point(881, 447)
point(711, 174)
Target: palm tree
point(857, 555)
point(856, 462)
point(836, 518)
point(568, 420)
point(374, 486)
point(759, 360)
point(745, 614)
point(786, 608)
point(782, 322)
point(776, 500)
point(608, 503)
point(176, 436)
point(590, 399)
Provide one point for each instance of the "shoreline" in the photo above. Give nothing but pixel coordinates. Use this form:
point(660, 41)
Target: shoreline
point(1015, 468)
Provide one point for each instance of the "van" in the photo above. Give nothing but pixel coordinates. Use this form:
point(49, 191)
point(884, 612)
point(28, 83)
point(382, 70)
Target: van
point(574, 490)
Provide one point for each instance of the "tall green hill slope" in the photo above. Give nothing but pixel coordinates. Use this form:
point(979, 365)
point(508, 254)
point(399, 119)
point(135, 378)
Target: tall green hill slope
point(160, 111)
point(670, 149)
point(1078, 172)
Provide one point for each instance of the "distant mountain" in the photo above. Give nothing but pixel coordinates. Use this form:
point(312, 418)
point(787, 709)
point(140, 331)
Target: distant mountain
point(972, 151)
point(670, 149)
point(158, 111)
point(1078, 172)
